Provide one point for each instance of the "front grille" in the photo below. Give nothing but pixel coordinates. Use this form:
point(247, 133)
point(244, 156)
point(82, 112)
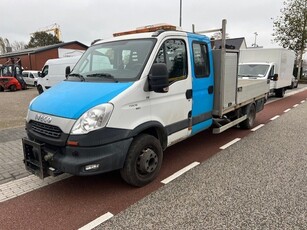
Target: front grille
point(45, 129)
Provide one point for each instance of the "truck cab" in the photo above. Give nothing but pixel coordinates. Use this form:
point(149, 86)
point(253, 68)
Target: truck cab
point(275, 64)
point(128, 99)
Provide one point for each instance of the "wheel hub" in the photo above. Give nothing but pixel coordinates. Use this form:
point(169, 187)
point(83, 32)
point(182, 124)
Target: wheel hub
point(147, 161)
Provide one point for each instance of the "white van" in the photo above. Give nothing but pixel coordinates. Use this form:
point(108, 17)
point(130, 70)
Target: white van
point(54, 72)
point(30, 77)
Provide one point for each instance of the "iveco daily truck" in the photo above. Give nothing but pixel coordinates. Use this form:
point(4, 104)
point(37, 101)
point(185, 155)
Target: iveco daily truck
point(132, 96)
point(275, 64)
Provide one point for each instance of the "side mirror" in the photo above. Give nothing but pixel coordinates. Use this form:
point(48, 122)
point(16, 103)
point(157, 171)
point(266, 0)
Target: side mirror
point(274, 77)
point(158, 78)
point(67, 71)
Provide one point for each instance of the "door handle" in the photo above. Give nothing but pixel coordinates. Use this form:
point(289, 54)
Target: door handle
point(188, 94)
point(210, 89)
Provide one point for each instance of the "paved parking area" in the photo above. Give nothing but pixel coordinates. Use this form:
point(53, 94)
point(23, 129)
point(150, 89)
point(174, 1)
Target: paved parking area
point(14, 106)
point(11, 155)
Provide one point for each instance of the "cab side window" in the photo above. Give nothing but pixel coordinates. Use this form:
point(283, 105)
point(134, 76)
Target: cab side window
point(173, 54)
point(45, 71)
point(271, 74)
point(18, 70)
point(201, 60)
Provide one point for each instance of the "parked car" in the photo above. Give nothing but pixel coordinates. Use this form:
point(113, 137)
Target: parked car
point(30, 77)
point(294, 83)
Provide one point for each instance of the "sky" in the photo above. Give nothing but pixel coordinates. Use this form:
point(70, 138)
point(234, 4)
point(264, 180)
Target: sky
point(87, 20)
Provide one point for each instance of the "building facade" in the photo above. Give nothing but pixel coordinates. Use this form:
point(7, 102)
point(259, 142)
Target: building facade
point(35, 58)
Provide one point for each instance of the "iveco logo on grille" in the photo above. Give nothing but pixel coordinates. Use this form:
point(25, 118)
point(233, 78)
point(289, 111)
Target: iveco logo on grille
point(43, 118)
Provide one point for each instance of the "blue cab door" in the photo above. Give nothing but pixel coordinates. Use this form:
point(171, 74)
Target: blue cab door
point(202, 82)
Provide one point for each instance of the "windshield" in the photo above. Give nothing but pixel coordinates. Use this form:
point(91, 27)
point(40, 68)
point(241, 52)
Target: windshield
point(7, 71)
point(113, 61)
point(252, 70)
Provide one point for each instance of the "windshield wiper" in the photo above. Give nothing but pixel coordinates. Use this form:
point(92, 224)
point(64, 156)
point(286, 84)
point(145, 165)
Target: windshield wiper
point(77, 75)
point(104, 75)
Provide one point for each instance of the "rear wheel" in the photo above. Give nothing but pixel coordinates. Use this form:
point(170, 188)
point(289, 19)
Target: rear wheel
point(250, 111)
point(143, 161)
point(280, 92)
point(1, 89)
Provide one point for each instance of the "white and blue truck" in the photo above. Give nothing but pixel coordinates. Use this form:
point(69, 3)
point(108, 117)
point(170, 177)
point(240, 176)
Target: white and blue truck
point(130, 97)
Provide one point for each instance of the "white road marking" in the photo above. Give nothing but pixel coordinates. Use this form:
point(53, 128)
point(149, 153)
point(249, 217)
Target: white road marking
point(257, 127)
point(274, 118)
point(230, 143)
point(303, 101)
point(180, 172)
point(97, 221)
point(295, 105)
point(287, 110)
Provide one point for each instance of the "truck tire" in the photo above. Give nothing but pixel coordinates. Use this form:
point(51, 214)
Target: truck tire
point(143, 161)
point(250, 111)
point(280, 92)
point(1, 89)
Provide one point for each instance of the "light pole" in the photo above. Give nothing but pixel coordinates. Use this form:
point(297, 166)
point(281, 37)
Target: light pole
point(255, 43)
point(180, 13)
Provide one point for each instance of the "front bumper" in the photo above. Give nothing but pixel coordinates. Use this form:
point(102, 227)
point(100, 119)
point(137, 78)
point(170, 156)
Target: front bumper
point(43, 161)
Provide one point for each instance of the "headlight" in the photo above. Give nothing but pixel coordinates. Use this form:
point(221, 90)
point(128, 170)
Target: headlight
point(93, 119)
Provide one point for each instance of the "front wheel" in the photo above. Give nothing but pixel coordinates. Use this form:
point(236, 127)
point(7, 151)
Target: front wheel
point(40, 89)
point(143, 161)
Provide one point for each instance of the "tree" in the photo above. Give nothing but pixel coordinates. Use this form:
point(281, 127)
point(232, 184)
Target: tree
point(4, 43)
point(290, 29)
point(18, 45)
point(42, 39)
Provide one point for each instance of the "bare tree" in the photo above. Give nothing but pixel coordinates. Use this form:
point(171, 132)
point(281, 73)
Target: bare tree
point(18, 46)
point(4, 42)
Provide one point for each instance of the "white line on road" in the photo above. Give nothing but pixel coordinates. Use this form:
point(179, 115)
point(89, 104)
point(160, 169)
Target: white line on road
point(97, 221)
point(287, 110)
point(273, 118)
point(303, 101)
point(295, 105)
point(180, 172)
point(230, 143)
point(257, 127)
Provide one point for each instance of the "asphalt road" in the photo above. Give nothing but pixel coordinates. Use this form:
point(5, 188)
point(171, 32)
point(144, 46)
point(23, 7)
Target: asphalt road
point(259, 182)
point(246, 186)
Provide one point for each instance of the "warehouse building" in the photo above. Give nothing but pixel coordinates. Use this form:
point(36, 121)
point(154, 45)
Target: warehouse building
point(35, 58)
